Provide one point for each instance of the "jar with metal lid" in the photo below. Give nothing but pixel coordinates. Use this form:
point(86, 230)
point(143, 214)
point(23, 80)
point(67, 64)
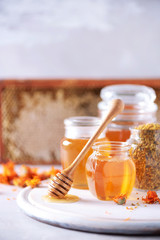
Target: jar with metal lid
point(110, 171)
point(78, 130)
point(139, 108)
point(145, 152)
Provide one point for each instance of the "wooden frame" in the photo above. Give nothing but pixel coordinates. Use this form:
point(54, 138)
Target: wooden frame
point(67, 83)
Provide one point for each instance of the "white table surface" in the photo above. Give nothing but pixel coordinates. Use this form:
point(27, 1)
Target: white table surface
point(15, 225)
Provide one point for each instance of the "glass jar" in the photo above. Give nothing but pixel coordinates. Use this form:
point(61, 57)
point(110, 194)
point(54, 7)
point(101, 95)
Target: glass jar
point(139, 108)
point(109, 170)
point(145, 152)
point(78, 130)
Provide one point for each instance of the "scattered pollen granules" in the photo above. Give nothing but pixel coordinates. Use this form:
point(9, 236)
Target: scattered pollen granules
point(145, 152)
point(14, 189)
point(28, 176)
point(129, 208)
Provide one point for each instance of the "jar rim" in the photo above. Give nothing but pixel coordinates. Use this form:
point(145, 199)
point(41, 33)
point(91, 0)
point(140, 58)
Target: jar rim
point(82, 121)
point(111, 146)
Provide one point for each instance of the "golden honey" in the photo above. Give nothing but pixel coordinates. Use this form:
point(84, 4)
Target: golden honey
point(120, 135)
point(109, 170)
point(78, 130)
point(70, 148)
point(66, 199)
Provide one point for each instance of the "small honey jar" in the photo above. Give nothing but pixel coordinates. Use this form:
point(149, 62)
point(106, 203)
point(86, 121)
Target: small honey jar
point(110, 171)
point(78, 130)
point(139, 109)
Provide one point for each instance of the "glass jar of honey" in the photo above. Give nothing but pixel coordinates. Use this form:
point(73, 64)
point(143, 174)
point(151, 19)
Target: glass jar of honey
point(78, 130)
point(139, 109)
point(109, 170)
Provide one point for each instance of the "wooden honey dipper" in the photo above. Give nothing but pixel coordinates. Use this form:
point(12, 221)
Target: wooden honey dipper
point(61, 183)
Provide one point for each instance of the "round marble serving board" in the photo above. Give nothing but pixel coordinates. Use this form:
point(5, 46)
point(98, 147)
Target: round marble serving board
point(92, 215)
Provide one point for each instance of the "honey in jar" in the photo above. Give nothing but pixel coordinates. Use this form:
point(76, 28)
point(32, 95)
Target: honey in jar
point(110, 171)
point(139, 109)
point(78, 130)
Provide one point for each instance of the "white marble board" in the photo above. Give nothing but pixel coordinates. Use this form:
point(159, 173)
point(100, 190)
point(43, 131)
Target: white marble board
point(92, 215)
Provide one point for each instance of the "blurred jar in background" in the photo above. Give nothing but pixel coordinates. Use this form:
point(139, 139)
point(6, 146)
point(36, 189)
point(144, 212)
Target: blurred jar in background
point(139, 109)
point(78, 130)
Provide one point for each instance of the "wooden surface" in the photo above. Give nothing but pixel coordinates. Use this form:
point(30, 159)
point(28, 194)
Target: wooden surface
point(67, 83)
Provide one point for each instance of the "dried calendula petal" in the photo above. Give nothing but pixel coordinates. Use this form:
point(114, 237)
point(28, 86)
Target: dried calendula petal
point(152, 194)
point(25, 171)
point(33, 182)
point(4, 179)
point(9, 171)
point(28, 176)
point(151, 197)
point(20, 181)
point(120, 200)
point(129, 208)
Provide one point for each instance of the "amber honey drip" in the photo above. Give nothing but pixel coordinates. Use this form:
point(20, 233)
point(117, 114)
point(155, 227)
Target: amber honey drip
point(70, 148)
point(108, 179)
point(66, 199)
